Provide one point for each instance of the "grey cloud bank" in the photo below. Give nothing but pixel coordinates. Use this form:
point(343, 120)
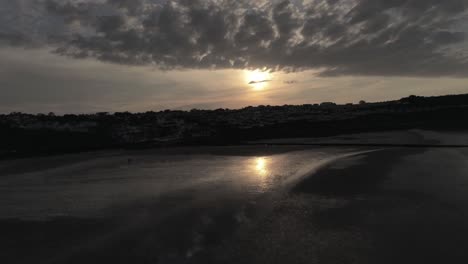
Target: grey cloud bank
point(360, 37)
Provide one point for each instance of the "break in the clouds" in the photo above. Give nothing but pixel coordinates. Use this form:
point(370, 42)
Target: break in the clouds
point(336, 37)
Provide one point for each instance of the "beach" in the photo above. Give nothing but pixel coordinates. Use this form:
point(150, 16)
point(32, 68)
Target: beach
point(239, 204)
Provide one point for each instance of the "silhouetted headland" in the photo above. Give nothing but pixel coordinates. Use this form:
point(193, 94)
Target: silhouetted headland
point(42, 134)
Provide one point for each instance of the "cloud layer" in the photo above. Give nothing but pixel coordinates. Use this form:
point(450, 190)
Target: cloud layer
point(337, 37)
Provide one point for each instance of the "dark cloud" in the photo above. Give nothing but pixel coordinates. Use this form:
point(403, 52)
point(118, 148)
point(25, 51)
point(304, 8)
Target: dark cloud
point(262, 81)
point(339, 37)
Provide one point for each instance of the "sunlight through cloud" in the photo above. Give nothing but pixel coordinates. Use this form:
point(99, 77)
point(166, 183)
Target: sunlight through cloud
point(258, 79)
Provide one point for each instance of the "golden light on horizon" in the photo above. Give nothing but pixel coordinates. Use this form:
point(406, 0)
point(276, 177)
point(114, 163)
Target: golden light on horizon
point(258, 79)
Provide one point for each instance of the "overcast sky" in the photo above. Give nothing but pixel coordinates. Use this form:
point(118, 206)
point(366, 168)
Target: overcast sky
point(138, 55)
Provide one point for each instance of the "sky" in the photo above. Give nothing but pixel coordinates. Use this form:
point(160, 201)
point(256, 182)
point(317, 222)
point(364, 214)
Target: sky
point(85, 56)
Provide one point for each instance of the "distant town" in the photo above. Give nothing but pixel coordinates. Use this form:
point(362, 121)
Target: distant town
point(27, 134)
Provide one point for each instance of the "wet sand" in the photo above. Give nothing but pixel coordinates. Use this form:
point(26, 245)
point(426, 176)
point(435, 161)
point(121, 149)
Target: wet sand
point(389, 206)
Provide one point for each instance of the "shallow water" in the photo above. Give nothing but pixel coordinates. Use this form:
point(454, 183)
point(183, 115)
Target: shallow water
point(318, 205)
point(89, 188)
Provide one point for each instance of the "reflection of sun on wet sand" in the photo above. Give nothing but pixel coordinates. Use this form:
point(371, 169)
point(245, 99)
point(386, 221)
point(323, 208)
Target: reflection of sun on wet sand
point(261, 166)
point(399, 205)
point(239, 205)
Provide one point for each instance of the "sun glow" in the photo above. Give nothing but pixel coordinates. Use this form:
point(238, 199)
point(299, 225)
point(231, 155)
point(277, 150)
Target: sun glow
point(258, 79)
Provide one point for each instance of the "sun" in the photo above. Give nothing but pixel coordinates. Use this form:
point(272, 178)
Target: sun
point(258, 79)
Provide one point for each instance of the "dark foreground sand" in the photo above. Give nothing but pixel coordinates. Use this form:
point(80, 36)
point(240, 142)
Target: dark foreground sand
point(390, 206)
